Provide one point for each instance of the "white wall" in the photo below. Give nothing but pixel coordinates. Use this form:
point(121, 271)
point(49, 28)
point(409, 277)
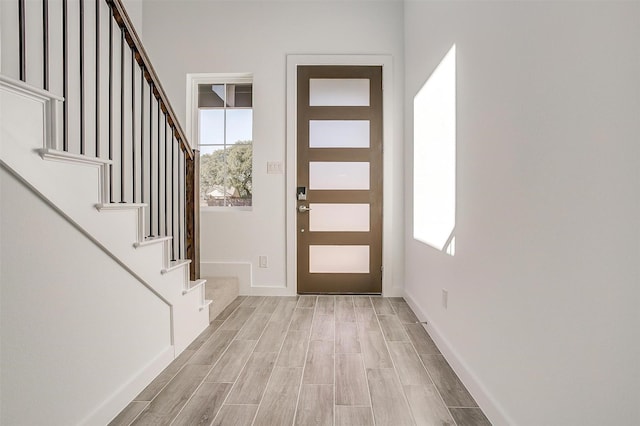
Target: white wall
point(230, 37)
point(134, 10)
point(58, 346)
point(543, 316)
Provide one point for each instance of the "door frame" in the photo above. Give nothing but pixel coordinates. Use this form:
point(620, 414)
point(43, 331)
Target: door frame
point(392, 218)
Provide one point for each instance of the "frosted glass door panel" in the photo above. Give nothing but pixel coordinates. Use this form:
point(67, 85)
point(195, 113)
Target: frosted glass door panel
point(339, 134)
point(339, 92)
point(339, 175)
point(339, 259)
point(339, 217)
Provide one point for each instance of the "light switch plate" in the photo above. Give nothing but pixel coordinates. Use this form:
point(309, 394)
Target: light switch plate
point(275, 168)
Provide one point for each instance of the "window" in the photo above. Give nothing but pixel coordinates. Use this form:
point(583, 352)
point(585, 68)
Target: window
point(224, 120)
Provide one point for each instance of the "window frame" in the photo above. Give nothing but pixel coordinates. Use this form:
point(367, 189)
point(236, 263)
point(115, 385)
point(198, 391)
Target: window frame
point(193, 121)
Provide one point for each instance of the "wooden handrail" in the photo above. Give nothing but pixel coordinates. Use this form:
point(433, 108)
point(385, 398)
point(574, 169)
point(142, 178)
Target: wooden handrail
point(124, 22)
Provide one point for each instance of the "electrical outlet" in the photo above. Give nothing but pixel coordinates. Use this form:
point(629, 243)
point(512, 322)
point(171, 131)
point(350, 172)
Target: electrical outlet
point(263, 262)
point(445, 298)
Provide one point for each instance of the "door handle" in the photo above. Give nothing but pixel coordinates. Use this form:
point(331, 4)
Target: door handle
point(303, 209)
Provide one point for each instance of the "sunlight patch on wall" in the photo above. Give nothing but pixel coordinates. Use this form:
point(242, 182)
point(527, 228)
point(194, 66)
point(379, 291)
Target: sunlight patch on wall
point(434, 158)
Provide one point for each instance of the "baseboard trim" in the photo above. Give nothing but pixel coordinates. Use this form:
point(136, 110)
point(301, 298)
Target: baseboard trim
point(489, 405)
point(125, 394)
point(243, 272)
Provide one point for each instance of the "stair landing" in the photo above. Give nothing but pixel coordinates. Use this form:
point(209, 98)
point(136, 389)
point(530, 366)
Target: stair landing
point(222, 290)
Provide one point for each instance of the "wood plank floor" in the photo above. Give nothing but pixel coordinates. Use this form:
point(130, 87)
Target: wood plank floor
point(308, 360)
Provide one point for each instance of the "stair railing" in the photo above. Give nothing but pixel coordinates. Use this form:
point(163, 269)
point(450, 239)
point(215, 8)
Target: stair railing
point(114, 108)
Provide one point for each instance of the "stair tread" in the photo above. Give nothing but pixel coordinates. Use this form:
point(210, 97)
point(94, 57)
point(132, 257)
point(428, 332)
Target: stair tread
point(175, 264)
point(119, 206)
point(206, 304)
point(193, 285)
point(56, 154)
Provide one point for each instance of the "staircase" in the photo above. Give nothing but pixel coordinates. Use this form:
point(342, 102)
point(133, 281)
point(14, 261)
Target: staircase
point(79, 186)
point(107, 154)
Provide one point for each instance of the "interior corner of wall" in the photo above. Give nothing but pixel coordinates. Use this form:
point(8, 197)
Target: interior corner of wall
point(392, 290)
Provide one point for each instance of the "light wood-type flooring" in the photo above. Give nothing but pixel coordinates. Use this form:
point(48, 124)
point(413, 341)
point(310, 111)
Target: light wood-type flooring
point(308, 360)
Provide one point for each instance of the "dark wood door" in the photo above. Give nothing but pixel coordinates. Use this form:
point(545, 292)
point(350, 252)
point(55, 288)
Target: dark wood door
point(339, 179)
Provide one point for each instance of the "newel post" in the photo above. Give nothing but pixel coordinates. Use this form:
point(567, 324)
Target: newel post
point(192, 212)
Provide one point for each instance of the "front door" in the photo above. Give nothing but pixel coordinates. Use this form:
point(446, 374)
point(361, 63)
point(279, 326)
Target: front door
point(339, 179)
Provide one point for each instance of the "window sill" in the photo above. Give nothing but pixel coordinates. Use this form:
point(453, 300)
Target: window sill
point(226, 209)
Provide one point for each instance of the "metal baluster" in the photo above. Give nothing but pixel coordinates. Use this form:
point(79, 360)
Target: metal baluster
point(111, 105)
point(166, 175)
point(180, 173)
point(22, 41)
point(45, 44)
point(81, 60)
point(65, 79)
point(142, 137)
point(158, 164)
point(133, 125)
point(122, 141)
point(150, 207)
point(98, 79)
point(173, 193)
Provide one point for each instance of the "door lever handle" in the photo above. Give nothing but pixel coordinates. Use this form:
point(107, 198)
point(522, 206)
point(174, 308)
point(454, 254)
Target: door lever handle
point(303, 209)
